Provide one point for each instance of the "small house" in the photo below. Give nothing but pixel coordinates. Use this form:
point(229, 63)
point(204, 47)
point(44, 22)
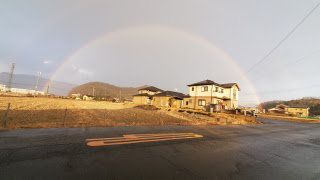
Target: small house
point(290, 109)
point(88, 97)
point(146, 94)
point(168, 98)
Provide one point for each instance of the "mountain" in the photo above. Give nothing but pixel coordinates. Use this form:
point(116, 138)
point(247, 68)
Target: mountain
point(312, 102)
point(105, 89)
point(25, 81)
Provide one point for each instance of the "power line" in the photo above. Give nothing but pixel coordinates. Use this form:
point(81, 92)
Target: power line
point(302, 58)
point(279, 44)
point(279, 91)
point(291, 63)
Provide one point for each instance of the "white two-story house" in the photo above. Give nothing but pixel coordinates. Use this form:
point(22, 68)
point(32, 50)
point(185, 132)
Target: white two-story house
point(208, 92)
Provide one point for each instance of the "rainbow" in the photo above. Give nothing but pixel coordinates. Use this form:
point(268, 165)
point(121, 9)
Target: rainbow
point(194, 37)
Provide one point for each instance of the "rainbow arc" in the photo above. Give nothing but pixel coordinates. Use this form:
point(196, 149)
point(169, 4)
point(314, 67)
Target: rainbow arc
point(192, 37)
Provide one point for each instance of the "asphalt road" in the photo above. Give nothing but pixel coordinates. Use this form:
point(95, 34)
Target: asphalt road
point(274, 150)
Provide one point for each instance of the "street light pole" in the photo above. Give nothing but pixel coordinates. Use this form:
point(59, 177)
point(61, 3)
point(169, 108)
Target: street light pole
point(35, 91)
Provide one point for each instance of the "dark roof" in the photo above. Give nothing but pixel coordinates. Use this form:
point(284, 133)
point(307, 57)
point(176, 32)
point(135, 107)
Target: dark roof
point(144, 94)
point(89, 95)
point(187, 96)
point(151, 88)
point(228, 85)
point(205, 82)
point(210, 82)
point(171, 93)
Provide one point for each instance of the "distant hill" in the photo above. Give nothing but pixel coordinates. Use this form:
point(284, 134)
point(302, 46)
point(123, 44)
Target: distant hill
point(312, 102)
point(25, 81)
point(105, 89)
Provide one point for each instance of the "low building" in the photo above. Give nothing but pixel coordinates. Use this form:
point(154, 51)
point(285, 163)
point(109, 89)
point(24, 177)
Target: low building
point(298, 110)
point(88, 97)
point(168, 98)
point(290, 109)
point(145, 95)
point(20, 90)
point(143, 98)
point(2, 87)
point(76, 96)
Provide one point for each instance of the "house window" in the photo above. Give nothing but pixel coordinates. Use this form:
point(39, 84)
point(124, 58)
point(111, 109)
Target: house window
point(187, 103)
point(204, 88)
point(192, 89)
point(222, 90)
point(234, 94)
point(190, 101)
point(217, 89)
point(201, 102)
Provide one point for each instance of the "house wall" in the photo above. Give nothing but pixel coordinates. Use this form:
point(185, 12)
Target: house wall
point(233, 104)
point(160, 100)
point(86, 98)
point(231, 93)
point(297, 111)
point(195, 101)
point(227, 103)
point(211, 96)
point(227, 92)
point(197, 91)
point(140, 99)
point(176, 103)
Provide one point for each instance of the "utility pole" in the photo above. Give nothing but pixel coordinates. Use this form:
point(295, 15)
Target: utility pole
point(35, 91)
point(120, 96)
point(48, 88)
point(10, 77)
point(93, 89)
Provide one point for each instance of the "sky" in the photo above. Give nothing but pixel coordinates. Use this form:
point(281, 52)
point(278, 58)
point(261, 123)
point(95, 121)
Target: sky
point(167, 43)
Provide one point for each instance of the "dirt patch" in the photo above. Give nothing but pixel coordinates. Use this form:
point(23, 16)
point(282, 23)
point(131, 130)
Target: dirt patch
point(147, 107)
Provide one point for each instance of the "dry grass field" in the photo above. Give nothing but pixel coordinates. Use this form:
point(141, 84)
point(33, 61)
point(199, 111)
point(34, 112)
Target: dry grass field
point(29, 112)
point(288, 118)
point(47, 113)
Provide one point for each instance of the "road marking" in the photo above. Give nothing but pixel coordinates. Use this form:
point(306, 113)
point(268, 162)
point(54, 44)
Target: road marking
point(139, 138)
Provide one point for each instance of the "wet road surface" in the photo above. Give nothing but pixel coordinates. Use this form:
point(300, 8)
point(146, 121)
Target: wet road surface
point(273, 150)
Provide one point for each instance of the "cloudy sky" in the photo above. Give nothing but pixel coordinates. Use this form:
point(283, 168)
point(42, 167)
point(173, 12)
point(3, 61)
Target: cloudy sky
point(167, 43)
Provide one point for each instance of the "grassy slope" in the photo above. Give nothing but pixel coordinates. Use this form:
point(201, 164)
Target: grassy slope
point(105, 89)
